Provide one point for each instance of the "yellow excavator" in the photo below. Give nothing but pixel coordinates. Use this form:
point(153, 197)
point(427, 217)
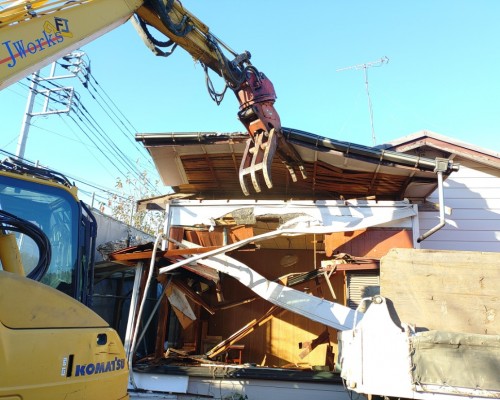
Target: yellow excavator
point(52, 346)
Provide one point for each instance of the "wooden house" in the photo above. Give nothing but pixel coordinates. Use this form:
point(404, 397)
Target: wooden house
point(354, 205)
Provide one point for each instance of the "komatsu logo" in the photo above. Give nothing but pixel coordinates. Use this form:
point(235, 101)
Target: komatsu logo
point(99, 368)
point(53, 33)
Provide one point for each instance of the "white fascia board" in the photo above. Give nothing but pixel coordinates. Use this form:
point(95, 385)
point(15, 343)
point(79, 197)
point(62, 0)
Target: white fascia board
point(192, 212)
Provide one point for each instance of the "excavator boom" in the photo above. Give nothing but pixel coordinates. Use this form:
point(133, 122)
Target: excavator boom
point(33, 34)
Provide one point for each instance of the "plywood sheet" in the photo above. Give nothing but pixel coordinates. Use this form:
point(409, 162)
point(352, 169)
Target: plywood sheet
point(455, 291)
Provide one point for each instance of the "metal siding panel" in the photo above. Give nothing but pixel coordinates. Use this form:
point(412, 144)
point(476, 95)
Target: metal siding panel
point(487, 224)
point(466, 192)
point(474, 224)
point(476, 203)
point(461, 214)
point(473, 183)
point(361, 285)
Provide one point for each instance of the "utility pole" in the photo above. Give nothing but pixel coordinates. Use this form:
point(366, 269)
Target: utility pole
point(25, 126)
point(61, 95)
point(364, 67)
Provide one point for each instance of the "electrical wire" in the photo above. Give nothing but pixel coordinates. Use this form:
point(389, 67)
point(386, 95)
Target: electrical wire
point(48, 92)
point(111, 148)
point(104, 139)
point(118, 118)
point(93, 142)
point(85, 122)
point(99, 90)
point(67, 176)
point(80, 109)
point(98, 132)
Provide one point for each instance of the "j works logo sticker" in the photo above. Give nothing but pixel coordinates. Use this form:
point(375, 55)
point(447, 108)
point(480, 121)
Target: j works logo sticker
point(53, 34)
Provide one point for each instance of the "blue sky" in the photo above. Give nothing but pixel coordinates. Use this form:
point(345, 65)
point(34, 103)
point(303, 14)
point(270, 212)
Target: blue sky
point(442, 76)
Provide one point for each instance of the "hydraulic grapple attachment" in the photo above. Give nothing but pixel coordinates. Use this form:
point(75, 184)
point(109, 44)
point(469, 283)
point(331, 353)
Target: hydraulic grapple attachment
point(256, 96)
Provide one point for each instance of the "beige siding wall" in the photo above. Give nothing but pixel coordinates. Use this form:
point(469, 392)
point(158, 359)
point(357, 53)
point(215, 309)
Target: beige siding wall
point(473, 194)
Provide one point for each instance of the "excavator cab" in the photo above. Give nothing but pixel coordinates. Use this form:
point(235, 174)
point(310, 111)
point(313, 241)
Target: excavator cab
point(49, 201)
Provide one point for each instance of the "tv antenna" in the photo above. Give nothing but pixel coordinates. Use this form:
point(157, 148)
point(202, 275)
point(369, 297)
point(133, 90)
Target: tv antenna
point(364, 67)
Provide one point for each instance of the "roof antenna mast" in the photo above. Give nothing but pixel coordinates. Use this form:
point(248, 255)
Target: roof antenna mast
point(364, 67)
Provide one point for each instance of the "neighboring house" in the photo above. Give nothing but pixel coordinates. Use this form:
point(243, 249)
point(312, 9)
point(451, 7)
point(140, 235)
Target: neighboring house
point(472, 195)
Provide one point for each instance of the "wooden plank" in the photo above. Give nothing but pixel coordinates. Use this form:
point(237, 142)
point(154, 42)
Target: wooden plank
point(370, 243)
point(146, 255)
point(244, 331)
point(181, 306)
point(197, 299)
point(177, 234)
point(446, 290)
point(239, 233)
point(309, 346)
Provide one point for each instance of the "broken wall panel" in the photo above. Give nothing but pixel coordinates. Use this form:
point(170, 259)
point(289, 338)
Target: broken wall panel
point(275, 343)
point(370, 243)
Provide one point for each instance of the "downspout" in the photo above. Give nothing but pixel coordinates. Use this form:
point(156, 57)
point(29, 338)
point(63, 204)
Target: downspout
point(439, 168)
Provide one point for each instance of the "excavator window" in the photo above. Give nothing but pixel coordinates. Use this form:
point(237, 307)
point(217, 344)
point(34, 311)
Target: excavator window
point(53, 210)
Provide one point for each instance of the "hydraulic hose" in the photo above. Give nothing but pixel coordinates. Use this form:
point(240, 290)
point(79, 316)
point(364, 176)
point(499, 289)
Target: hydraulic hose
point(9, 222)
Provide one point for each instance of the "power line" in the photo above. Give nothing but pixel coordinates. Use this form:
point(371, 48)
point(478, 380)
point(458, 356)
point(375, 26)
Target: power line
point(88, 83)
point(87, 146)
point(94, 125)
point(93, 185)
point(81, 67)
point(92, 128)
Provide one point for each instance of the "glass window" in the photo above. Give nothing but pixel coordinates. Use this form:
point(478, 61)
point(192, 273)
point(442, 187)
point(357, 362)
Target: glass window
point(56, 212)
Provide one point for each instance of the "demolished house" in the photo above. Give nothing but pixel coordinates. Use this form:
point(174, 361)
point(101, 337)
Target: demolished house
point(250, 291)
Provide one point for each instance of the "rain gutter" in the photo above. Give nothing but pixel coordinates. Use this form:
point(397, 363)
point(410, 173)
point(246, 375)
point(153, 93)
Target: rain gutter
point(354, 150)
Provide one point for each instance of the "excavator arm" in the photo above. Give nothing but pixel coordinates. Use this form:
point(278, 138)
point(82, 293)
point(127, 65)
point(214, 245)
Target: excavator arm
point(33, 34)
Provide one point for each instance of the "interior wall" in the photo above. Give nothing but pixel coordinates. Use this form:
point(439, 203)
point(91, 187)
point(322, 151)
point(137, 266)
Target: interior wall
point(281, 339)
point(370, 243)
point(276, 342)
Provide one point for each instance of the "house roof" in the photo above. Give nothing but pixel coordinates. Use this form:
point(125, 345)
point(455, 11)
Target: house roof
point(206, 165)
point(451, 148)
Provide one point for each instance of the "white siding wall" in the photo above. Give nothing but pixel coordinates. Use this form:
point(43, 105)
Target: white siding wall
point(473, 194)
